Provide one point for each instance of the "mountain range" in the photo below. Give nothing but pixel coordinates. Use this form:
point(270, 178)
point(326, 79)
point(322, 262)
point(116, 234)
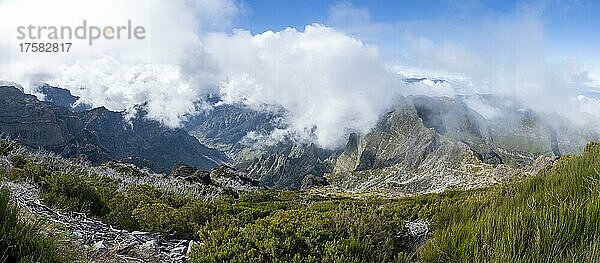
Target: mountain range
point(98, 135)
point(424, 144)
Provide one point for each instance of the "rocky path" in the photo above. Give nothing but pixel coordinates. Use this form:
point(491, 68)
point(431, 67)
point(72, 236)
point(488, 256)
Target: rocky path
point(105, 243)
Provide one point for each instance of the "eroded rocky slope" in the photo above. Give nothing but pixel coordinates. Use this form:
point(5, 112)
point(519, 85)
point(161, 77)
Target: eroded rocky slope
point(99, 135)
point(430, 144)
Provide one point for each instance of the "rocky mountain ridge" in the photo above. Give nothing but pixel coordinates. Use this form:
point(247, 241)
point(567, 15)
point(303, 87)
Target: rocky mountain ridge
point(99, 135)
point(424, 144)
point(429, 144)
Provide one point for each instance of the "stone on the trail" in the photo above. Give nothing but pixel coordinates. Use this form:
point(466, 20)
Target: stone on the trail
point(189, 248)
point(100, 246)
point(5, 165)
point(77, 234)
point(99, 236)
point(178, 250)
point(150, 244)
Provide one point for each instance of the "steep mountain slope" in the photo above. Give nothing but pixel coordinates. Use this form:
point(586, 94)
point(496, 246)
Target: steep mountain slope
point(524, 132)
point(429, 144)
point(287, 164)
point(403, 155)
point(148, 142)
point(41, 124)
point(224, 126)
point(100, 134)
point(278, 164)
point(424, 144)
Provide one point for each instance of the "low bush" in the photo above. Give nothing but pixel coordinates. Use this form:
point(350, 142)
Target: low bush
point(74, 193)
point(6, 146)
point(345, 231)
point(25, 170)
point(262, 225)
point(18, 160)
point(22, 240)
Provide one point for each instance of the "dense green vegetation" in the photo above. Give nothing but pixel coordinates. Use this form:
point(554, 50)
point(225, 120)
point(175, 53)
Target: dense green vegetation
point(261, 225)
point(290, 228)
point(551, 217)
point(22, 240)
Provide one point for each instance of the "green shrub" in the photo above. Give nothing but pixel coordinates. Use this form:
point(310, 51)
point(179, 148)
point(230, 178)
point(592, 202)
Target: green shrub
point(22, 241)
point(120, 212)
point(156, 217)
point(6, 147)
point(28, 171)
point(74, 193)
point(551, 217)
point(18, 160)
point(345, 231)
point(262, 225)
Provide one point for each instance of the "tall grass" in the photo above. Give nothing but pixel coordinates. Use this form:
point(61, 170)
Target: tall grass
point(551, 217)
point(22, 240)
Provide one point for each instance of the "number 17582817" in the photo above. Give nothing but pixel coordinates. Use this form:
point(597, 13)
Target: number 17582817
point(45, 47)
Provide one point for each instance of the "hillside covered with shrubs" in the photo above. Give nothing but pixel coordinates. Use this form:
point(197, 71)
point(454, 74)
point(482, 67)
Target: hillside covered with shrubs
point(553, 216)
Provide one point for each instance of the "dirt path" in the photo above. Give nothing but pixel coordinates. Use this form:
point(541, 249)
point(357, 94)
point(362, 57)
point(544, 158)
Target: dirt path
point(105, 243)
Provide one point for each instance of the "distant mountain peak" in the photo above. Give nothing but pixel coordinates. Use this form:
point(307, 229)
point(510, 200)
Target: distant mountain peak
point(62, 97)
point(4, 83)
point(415, 80)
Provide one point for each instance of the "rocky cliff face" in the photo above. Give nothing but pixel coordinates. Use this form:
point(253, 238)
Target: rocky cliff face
point(430, 144)
point(282, 165)
point(224, 127)
point(41, 124)
point(403, 155)
point(399, 138)
point(424, 144)
point(286, 164)
point(100, 134)
point(148, 140)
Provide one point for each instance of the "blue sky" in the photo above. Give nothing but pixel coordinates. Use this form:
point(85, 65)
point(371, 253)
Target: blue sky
point(570, 17)
point(569, 28)
point(264, 15)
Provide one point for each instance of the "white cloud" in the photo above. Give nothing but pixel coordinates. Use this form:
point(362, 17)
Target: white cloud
point(119, 74)
point(487, 111)
point(343, 13)
point(118, 86)
point(508, 56)
point(328, 82)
